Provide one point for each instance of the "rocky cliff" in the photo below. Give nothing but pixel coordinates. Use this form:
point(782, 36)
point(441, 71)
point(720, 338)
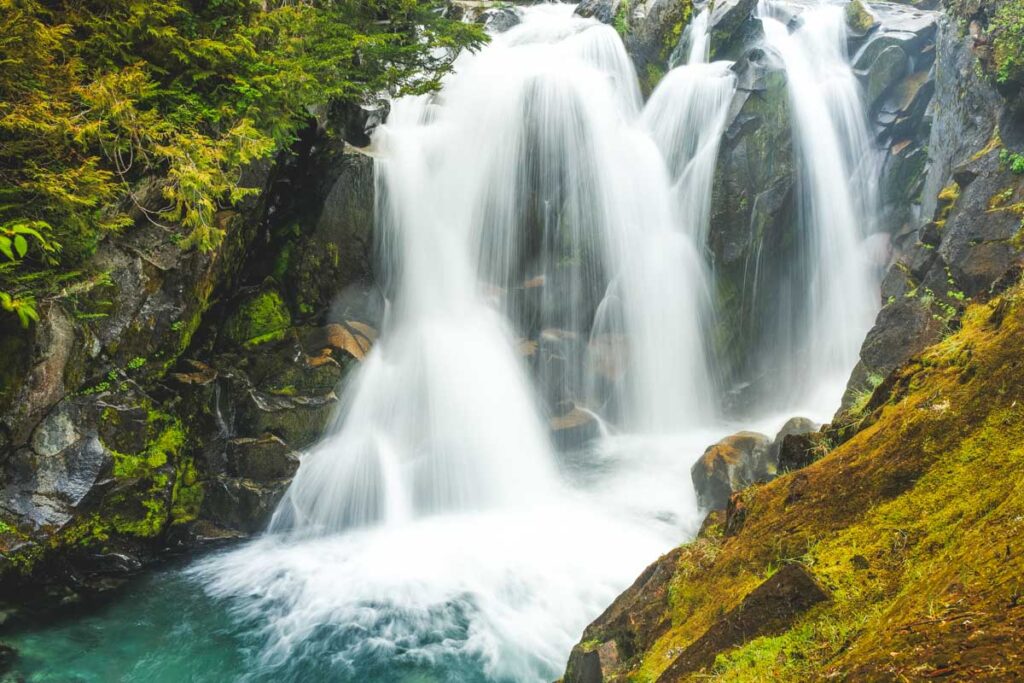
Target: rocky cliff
point(160, 404)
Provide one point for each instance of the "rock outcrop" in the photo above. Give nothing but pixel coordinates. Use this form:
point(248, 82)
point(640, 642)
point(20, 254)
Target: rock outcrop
point(162, 401)
point(884, 559)
point(960, 182)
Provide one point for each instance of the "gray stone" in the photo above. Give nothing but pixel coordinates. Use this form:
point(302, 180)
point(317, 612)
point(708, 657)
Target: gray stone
point(888, 68)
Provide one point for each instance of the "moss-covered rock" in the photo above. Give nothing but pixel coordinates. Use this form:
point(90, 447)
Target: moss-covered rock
point(260, 318)
point(908, 526)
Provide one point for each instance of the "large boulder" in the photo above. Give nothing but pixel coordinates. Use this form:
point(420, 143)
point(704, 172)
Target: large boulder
point(731, 465)
point(753, 214)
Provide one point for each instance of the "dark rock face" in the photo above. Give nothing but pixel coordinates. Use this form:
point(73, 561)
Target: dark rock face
point(771, 608)
point(730, 465)
point(752, 213)
point(966, 239)
point(628, 627)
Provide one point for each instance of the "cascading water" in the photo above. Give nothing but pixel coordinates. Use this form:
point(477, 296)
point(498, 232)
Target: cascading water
point(527, 204)
point(837, 205)
point(532, 204)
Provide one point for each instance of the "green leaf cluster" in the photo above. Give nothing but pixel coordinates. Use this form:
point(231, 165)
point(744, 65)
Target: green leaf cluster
point(100, 97)
point(1007, 27)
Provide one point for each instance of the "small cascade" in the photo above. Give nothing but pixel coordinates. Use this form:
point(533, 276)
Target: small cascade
point(698, 38)
point(837, 206)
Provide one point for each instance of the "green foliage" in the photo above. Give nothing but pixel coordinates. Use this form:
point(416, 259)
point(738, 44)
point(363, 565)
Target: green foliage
point(1012, 161)
point(1008, 28)
point(99, 97)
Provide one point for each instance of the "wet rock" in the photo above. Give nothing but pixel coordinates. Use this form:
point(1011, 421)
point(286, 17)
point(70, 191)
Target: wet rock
point(731, 465)
point(355, 122)
point(903, 329)
point(654, 28)
point(753, 213)
point(592, 663)
point(888, 68)
point(602, 10)
point(266, 458)
point(500, 19)
point(574, 429)
point(859, 19)
point(794, 426)
point(242, 504)
point(769, 609)
point(637, 618)
point(732, 27)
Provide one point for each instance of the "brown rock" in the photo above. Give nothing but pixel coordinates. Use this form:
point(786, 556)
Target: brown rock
point(768, 610)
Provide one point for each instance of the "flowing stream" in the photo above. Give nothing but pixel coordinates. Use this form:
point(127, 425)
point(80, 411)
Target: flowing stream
point(543, 248)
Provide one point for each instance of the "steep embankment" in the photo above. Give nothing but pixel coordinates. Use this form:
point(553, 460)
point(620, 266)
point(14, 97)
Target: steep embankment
point(911, 531)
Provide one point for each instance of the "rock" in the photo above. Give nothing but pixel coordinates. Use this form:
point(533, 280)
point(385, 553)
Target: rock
point(797, 451)
point(500, 19)
point(794, 426)
point(732, 27)
point(260, 318)
point(903, 329)
point(888, 68)
point(241, 504)
point(769, 609)
point(753, 212)
point(356, 123)
point(654, 29)
point(588, 663)
point(47, 354)
point(637, 618)
point(735, 515)
point(731, 465)
point(46, 483)
point(859, 18)
point(264, 459)
point(604, 11)
point(574, 429)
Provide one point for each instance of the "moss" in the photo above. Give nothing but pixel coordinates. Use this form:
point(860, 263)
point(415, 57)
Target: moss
point(259, 319)
point(912, 525)
point(653, 76)
point(858, 17)
point(621, 19)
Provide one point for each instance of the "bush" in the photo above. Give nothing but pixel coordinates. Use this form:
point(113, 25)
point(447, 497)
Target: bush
point(97, 95)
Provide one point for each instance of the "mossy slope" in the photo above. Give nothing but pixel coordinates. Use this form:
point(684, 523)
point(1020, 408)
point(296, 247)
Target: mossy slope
point(913, 526)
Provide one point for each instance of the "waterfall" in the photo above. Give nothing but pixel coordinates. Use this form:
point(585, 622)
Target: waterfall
point(837, 204)
point(526, 201)
point(541, 240)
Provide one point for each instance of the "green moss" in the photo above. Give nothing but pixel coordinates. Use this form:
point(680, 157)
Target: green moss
point(653, 76)
point(858, 17)
point(910, 525)
point(621, 20)
point(260, 319)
